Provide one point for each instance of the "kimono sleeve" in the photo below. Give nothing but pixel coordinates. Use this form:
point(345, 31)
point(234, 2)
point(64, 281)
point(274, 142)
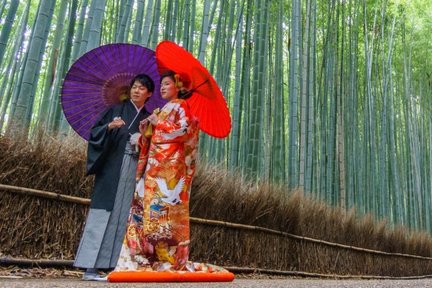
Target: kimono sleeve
point(98, 144)
point(175, 131)
point(191, 150)
point(144, 144)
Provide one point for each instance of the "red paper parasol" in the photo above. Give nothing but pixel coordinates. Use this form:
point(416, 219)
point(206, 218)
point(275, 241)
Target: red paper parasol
point(101, 78)
point(207, 101)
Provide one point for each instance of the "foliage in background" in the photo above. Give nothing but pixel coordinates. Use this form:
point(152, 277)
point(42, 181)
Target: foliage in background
point(331, 97)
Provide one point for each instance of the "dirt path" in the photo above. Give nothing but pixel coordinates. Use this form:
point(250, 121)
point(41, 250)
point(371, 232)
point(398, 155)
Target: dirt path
point(256, 283)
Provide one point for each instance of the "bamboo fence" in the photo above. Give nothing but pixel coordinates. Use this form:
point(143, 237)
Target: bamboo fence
point(246, 226)
point(214, 231)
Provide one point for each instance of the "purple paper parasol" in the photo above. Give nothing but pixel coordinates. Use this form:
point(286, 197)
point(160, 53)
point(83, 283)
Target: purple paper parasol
point(101, 78)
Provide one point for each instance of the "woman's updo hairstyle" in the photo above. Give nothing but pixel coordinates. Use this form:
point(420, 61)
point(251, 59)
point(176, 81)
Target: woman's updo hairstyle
point(180, 81)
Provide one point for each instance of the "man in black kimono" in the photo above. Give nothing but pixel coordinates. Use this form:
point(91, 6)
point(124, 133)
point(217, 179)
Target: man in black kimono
point(112, 157)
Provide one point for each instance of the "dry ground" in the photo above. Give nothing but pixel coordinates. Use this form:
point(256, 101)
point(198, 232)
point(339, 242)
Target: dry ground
point(12, 277)
point(244, 283)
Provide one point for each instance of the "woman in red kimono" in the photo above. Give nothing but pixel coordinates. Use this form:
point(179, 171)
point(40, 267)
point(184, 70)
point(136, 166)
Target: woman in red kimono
point(157, 237)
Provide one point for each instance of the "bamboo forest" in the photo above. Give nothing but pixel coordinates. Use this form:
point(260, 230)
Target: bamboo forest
point(330, 97)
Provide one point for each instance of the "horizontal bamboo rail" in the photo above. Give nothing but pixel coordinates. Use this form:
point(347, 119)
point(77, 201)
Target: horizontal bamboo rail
point(35, 262)
point(45, 194)
point(84, 201)
point(302, 238)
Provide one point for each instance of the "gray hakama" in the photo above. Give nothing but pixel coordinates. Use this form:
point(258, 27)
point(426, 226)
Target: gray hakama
point(105, 230)
point(111, 160)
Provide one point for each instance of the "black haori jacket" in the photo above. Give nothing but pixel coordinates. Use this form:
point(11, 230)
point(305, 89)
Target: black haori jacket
point(106, 150)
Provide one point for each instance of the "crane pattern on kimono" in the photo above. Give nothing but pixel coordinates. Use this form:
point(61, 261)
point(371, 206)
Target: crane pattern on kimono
point(176, 133)
point(171, 196)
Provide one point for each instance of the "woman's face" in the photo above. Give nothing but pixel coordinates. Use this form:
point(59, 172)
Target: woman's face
point(168, 89)
point(139, 94)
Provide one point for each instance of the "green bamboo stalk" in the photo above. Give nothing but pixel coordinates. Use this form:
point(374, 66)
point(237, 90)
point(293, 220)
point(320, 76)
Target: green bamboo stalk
point(155, 26)
point(245, 88)
point(278, 129)
point(117, 9)
point(231, 33)
point(422, 156)
point(128, 27)
point(394, 161)
point(22, 115)
point(205, 28)
point(176, 27)
point(294, 66)
point(237, 102)
point(14, 62)
point(147, 21)
point(186, 24)
point(192, 27)
point(412, 203)
point(79, 33)
point(384, 145)
point(111, 27)
point(15, 94)
point(86, 32)
point(58, 121)
point(96, 25)
point(169, 27)
point(2, 7)
point(429, 172)
point(137, 31)
point(223, 71)
point(351, 106)
point(218, 35)
point(340, 123)
point(265, 93)
point(256, 108)
point(209, 142)
point(52, 63)
point(10, 56)
point(304, 99)
point(308, 187)
point(371, 169)
point(7, 27)
point(217, 148)
point(331, 70)
point(126, 13)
